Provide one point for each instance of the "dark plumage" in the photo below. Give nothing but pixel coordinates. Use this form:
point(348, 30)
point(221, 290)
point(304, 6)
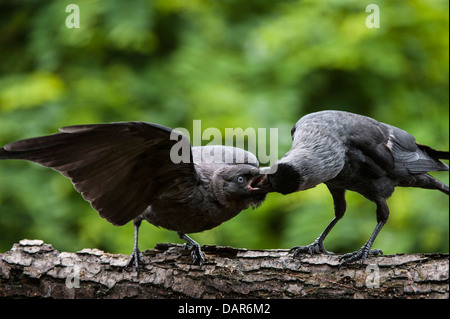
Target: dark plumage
point(352, 152)
point(126, 172)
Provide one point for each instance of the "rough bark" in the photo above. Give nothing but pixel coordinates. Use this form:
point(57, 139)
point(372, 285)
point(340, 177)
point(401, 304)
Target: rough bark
point(34, 269)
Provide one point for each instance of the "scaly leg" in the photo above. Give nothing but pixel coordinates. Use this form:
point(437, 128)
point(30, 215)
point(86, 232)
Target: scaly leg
point(339, 209)
point(361, 255)
point(196, 252)
point(136, 257)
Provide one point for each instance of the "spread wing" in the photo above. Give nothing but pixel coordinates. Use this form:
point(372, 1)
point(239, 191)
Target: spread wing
point(120, 168)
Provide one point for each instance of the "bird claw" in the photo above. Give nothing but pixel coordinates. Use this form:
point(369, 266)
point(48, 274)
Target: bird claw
point(360, 255)
point(315, 248)
point(137, 259)
point(196, 253)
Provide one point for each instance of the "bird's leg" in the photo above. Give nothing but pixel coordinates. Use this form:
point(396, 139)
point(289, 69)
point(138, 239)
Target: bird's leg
point(136, 257)
point(365, 250)
point(361, 255)
point(339, 209)
point(196, 252)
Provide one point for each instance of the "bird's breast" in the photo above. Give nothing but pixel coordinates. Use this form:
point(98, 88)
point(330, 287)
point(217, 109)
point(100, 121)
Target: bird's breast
point(190, 217)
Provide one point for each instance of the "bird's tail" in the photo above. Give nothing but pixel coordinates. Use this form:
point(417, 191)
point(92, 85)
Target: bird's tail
point(441, 186)
point(435, 154)
point(425, 181)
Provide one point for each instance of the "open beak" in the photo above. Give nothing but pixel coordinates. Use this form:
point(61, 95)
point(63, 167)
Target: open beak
point(253, 184)
point(259, 184)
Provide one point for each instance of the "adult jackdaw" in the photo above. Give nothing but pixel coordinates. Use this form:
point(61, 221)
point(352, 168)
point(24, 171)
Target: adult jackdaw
point(135, 171)
point(353, 152)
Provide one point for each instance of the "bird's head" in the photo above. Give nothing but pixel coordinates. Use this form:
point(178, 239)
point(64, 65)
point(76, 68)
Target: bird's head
point(240, 183)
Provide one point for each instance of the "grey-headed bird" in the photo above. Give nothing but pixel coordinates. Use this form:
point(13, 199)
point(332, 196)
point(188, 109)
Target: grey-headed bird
point(348, 151)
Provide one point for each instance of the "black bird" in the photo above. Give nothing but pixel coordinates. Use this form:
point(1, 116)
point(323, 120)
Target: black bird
point(347, 151)
point(137, 171)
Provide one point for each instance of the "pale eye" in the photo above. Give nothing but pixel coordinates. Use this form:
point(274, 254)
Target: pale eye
point(240, 179)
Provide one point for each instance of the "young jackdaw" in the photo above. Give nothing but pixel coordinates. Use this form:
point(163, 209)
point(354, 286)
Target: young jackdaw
point(135, 171)
point(352, 152)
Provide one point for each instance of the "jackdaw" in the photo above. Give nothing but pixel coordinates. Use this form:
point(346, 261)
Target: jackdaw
point(137, 171)
point(347, 151)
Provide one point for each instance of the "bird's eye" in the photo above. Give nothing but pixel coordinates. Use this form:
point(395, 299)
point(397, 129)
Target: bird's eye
point(240, 179)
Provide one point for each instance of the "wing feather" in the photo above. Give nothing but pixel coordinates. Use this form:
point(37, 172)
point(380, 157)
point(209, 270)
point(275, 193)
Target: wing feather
point(393, 150)
point(120, 168)
point(410, 157)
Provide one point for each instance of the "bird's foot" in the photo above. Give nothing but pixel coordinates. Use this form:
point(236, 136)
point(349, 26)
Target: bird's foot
point(196, 252)
point(360, 255)
point(136, 259)
point(315, 248)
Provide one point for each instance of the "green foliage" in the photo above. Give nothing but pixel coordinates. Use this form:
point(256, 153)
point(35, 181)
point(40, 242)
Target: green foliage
point(229, 63)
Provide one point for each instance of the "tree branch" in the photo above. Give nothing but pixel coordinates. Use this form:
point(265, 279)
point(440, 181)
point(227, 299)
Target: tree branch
point(34, 269)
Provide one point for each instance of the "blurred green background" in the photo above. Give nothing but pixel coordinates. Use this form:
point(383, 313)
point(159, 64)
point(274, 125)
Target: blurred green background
point(228, 63)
